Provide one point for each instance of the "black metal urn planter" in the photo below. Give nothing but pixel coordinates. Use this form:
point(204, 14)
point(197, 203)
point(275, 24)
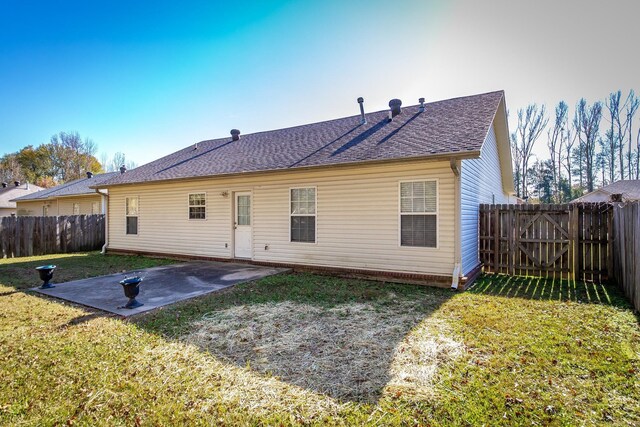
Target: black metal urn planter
point(131, 286)
point(46, 274)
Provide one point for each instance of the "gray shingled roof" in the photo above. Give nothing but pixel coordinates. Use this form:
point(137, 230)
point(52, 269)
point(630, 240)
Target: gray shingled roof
point(11, 192)
point(451, 127)
point(629, 188)
point(78, 187)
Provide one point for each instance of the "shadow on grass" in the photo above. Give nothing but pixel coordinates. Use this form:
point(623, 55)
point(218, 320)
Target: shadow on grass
point(541, 288)
point(332, 336)
point(6, 294)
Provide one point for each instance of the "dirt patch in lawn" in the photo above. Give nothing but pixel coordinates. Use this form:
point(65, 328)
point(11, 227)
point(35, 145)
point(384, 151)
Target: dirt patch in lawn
point(349, 351)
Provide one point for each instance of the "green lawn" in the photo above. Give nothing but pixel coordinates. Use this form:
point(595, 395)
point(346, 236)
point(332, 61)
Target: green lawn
point(306, 349)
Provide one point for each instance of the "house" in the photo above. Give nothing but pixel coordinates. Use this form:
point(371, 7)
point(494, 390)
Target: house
point(71, 198)
point(9, 192)
point(392, 194)
point(627, 190)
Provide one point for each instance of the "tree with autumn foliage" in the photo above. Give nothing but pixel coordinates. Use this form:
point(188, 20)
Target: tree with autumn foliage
point(66, 157)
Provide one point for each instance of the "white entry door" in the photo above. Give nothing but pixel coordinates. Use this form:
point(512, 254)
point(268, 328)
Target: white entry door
point(242, 225)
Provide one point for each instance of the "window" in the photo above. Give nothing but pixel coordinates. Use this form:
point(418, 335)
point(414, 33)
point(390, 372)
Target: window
point(244, 210)
point(303, 215)
point(131, 215)
point(418, 213)
point(76, 208)
point(95, 208)
point(197, 206)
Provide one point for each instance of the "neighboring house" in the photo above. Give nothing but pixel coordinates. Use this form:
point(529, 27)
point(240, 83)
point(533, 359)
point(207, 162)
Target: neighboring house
point(72, 198)
point(8, 192)
point(385, 197)
point(628, 189)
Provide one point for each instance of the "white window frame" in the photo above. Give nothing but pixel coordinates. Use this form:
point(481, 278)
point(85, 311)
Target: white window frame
point(189, 206)
point(315, 242)
point(127, 216)
point(436, 213)
point(74, 206)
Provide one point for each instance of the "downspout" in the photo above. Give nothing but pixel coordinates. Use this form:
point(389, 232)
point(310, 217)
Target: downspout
point(105, 211)
point(457, 266)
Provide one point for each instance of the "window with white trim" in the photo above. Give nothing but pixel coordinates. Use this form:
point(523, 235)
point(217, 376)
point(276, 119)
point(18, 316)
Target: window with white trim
point(198, 206)
point(76, 208)
point(419, 213)
point(131, 214)
point(303, 215)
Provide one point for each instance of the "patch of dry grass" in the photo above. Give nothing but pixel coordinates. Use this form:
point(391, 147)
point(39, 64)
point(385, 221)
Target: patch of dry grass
point(349, 351)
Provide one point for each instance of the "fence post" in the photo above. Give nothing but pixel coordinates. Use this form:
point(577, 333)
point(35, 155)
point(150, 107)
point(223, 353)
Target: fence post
point(496, 238)
point(574, 240)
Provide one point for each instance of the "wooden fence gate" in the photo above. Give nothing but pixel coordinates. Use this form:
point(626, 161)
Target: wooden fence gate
point(560, 241)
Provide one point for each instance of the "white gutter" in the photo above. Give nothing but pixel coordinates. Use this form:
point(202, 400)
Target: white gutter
point(105, 211)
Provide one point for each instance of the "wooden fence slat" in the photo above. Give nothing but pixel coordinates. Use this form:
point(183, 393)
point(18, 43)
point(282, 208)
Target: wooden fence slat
point(27, 236)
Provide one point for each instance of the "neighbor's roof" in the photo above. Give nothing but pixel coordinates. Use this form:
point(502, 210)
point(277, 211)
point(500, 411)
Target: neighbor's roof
point(11, 192)
point(629, 188)
point(78, 187)
point(454, 127)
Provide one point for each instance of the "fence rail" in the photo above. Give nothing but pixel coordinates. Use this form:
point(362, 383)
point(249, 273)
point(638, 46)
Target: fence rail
point(41, 235)
point(560, 241)
point(626, 249)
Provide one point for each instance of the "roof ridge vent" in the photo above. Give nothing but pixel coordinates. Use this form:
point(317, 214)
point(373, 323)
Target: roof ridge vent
point(235, 134)
point(395, 106)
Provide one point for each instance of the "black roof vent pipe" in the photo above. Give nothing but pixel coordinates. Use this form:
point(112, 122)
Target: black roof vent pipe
point(395, 105)
point(235, 134)
point(4, 185)
point(421, 101)
point(17, 183)
point(123, 169)
point(89, 174)
point(363, 119)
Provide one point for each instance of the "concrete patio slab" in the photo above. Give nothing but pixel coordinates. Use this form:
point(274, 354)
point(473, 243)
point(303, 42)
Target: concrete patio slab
point(161, 285)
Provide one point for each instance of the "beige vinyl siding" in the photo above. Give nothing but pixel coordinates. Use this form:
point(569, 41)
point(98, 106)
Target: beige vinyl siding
point(33, 208)
point(481, 182)
point(357, 218)
point(65, 204)
point(60, 206)
point(7, 211)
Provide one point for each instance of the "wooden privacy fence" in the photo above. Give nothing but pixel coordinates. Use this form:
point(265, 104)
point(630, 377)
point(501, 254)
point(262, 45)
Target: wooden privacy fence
point(41, 235)
point(559, 241)
point(626, 249)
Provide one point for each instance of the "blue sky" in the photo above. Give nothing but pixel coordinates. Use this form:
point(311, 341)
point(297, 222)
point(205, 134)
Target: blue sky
point(148, 78)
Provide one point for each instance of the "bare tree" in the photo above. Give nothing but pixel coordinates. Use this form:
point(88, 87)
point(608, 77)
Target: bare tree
point(614, 135)
point(531, 123)
point(116, 161)
point(570, 137)
point(555, 142)
point(631, 104)
point(587, 123)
